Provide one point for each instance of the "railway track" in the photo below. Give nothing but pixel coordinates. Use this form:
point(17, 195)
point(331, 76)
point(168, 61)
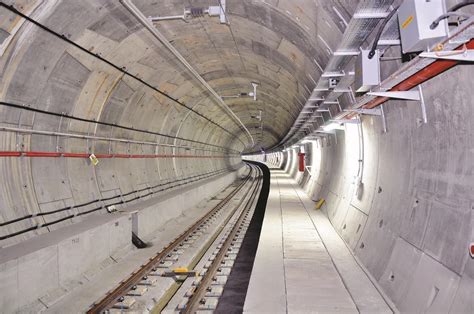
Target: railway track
point(204, 296)
point(120, 296)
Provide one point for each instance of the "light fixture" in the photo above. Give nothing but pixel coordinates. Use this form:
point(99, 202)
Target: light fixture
point(254, 93)
point(249, 94)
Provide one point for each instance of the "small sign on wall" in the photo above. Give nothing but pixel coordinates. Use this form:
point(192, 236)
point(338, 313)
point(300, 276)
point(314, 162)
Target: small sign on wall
point(93, 159)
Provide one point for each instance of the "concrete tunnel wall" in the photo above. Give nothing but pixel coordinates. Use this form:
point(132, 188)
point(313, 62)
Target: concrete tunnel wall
point(412, 221)
point(45, 72)
point(413, 235)
point(41, 265)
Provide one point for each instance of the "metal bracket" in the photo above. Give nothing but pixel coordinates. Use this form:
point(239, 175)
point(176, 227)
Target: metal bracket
point(406, 95)
point(336, 102)
point(218, 10)
point(346, 53)
point(316, 99)
point(373, 112)
point(346, 121)
point(308, 168)
point(327, 135)
point(389, 42)
point(325, 110)
point(370, 15)
point(465, 55)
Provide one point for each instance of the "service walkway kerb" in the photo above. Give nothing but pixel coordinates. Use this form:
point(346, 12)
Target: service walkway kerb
point(302, 265)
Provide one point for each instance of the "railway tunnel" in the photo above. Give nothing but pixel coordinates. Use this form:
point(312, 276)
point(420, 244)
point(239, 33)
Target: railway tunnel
point(258, 156)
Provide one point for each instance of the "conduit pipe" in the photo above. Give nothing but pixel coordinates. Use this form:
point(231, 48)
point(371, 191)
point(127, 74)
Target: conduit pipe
point(101, 138)
point(112, 125)
point(158, 35)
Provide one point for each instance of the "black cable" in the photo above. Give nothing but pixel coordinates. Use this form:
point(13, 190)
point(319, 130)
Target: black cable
point(195, 178)
point(201, 177)
point(65, 115)
point(121, 69)
point(380, 31)
point(451, 13)
point(460, 5)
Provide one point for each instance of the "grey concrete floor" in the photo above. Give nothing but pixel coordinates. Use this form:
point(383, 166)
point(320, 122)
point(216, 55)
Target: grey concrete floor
point(302, 265)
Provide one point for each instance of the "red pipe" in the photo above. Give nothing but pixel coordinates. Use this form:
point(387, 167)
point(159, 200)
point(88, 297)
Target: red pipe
point(41, 154)
point(11, 154)
point(301, 166)
point(419, 77)
point(75, 155)
point(103, 156)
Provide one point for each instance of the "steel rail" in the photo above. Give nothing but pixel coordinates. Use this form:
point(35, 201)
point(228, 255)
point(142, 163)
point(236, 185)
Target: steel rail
point(195, 300)
point(172, 291)
point(112, 296)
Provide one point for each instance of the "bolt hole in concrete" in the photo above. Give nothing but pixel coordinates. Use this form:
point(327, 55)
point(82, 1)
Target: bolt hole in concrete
point(380, 189)
point(381, 223)
point(391, 277)
point(344, 227)
point(434, 294)
point(362, 245)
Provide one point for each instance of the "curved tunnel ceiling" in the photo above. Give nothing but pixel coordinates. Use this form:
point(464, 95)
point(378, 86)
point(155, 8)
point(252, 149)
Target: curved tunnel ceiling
point(277, 44)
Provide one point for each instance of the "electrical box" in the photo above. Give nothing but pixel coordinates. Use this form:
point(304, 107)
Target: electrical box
point(414, 20)
point(367, 71)
point(332, 82)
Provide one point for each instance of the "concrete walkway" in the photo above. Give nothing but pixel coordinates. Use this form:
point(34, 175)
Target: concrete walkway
point(302, 265)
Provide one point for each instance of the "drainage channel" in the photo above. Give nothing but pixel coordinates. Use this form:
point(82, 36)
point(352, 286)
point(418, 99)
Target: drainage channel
point(153, 283)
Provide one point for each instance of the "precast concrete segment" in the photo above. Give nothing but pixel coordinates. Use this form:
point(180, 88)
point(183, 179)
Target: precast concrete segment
point(170, 228)
point(300, 268)
point(105, 203)
point(121, 69)
point(149, 25)
point(64, 116)
point(77, 264)
point(38, 154)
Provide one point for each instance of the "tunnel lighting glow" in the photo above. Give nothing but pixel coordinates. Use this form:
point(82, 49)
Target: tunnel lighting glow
point(333, 126)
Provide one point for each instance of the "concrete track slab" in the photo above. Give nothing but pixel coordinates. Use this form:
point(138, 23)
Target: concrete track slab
point(302, 264)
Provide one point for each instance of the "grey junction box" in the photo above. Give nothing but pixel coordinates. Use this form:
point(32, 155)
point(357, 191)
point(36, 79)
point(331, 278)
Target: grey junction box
point(367, 71)
point(414, 20)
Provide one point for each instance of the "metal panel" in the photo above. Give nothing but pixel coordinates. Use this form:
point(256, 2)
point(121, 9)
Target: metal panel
point(367, 71)
point(415, 18)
